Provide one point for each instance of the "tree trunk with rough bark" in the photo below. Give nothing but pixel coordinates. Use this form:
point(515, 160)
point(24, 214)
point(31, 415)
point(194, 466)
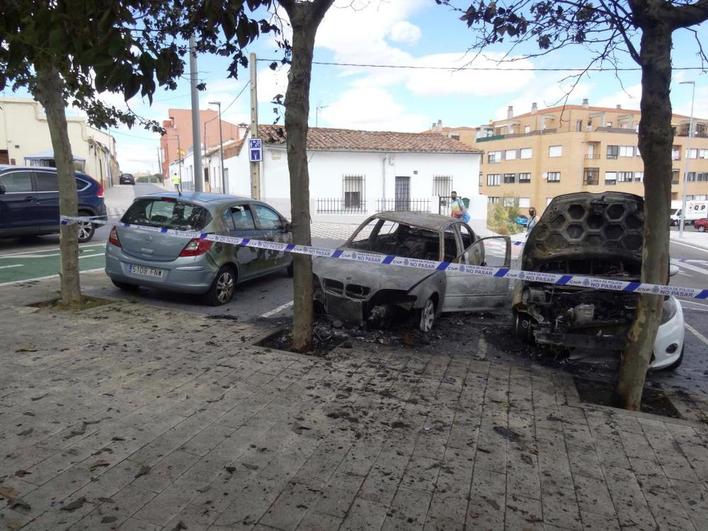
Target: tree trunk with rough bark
point(655, 141)
point(49, 91)
point(305, 18)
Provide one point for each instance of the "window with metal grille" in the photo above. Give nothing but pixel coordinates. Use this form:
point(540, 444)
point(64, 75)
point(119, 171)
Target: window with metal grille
point(612, 152)
point(509, 178)
point(524, 177)
point(353, 191)
point(442, 185)
point(553, 177)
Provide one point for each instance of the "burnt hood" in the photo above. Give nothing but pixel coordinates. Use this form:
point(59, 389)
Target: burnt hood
point(582, 227)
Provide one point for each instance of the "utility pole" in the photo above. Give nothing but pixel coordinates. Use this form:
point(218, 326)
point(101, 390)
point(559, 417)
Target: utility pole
point(682, 220)
point(221, 147)
point(255, 166)
point(196, 141)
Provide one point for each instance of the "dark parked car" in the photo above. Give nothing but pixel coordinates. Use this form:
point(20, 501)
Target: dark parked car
point(136, 258)
point(126, 178)
point(29, 202)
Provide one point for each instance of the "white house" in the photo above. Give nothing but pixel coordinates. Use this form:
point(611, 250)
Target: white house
point(357, 173)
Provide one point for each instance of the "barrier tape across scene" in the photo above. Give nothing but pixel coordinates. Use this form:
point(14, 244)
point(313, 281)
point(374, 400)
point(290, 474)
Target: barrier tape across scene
point(556, 279)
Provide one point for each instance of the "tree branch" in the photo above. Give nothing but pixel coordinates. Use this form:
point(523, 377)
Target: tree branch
point(685, 15)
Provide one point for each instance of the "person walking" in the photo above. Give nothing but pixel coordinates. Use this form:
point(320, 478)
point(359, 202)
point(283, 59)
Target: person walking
point(532, 219)
point(176, 181)
point(457, 207)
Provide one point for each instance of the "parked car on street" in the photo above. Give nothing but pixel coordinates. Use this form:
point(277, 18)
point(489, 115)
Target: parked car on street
point(126, 178)
point(136, 257)
point(599, 235)
point(701, 224)
point(355, 292)
point(29, 202)
point(521, 220)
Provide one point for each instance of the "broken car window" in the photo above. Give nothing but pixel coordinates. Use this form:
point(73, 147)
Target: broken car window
point(388, 237)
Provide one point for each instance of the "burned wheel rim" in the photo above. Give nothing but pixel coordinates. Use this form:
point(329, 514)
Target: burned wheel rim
point(85, 231)
point(225, 286)
point(427, 316)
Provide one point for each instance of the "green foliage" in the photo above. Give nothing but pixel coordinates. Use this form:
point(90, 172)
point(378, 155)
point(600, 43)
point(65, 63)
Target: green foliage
point(501, 218)
point(130, 47)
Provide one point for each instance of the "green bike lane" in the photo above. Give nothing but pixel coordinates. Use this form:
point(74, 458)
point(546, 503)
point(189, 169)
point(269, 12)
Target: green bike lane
point(33, 265)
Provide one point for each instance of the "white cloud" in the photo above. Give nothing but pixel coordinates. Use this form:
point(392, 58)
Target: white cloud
point(404, 32)
point(371, 108)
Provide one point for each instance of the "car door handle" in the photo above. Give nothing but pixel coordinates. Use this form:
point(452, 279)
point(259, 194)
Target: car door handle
point(30, 198)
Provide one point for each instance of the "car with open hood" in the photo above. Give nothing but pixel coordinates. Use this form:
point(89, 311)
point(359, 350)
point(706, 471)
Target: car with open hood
point(598, 235)
point(354, 292)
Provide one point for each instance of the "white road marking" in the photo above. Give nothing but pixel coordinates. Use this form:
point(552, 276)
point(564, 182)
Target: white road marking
point(45, 278)
point(91, 255)
point(688, 245)
point(274, 311)
point(34, 254)
point(691, 267)
point(9, 266)
point(697, 334)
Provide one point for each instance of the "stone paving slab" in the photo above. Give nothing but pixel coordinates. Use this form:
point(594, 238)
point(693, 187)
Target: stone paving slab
point(133, 417)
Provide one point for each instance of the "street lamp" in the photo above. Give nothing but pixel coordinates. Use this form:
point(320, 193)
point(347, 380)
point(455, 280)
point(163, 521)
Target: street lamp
point(179, 153)
point(221, 147)
point(682, 221)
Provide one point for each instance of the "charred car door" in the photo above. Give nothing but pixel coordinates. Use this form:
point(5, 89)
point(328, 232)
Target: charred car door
point(472, 293)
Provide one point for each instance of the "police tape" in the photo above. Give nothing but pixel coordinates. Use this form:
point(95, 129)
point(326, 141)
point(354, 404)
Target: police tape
point(556, 279)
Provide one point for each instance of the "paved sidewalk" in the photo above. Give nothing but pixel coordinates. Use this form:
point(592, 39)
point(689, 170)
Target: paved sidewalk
point(133, 417)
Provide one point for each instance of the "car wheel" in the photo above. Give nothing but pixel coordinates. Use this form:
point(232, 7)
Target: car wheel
point(86, 230)
point(222, 288)
point(523, 327)
point(124, 286)
point(426, 316)
point(677, 363)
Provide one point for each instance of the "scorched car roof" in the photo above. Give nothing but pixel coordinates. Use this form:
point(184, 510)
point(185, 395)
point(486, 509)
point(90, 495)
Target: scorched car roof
point(423, 220)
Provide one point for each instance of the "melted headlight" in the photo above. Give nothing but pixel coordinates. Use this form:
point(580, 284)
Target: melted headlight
point(669, 310)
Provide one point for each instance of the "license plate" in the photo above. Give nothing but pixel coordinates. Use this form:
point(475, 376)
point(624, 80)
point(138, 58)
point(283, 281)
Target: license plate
point(145, 271)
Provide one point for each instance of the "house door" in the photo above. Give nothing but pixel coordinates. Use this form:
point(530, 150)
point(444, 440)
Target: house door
point(403, 193)
point(4, 157)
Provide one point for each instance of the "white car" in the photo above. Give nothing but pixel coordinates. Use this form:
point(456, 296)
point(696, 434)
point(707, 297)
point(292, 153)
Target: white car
point(597, 235)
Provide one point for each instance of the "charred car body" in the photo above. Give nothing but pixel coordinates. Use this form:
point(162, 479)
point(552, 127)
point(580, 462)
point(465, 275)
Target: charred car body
point(594, 235)
point(354, 292)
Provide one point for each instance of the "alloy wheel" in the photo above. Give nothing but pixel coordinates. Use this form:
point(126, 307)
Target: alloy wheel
point(225, 286)
point(427, 316)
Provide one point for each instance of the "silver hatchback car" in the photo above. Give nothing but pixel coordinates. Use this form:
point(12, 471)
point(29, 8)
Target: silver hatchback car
point(139, 258)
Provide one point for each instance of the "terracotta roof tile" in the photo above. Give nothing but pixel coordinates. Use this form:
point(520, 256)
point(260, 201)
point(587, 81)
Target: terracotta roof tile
point(326, 139)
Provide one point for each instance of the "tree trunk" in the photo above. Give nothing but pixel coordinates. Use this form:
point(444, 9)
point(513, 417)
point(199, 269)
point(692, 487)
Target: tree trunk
point(304, 19)
point(655, 141)
point(49, 91)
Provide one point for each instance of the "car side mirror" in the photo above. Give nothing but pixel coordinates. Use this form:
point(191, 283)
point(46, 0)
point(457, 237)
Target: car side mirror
point(287, 227)
point(673, 270)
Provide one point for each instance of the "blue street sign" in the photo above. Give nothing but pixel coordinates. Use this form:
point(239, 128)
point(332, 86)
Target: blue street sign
point(255, 150)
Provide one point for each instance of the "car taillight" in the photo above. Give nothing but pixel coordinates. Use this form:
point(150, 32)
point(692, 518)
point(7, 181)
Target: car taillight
point(99, 192)
point(196, 247)
point(113, 238)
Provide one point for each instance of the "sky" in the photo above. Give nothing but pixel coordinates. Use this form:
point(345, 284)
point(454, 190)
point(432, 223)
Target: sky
point(406, 32)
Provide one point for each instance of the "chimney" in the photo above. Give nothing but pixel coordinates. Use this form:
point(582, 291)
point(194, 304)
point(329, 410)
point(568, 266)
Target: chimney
point(242, 128)
point(534, 107)
point(585, 102)
point(510, 112)
point(440, 124)
point(619, 106)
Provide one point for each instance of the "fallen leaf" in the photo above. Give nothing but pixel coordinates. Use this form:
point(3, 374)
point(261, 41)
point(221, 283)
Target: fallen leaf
point(18, 503)
point(7, 492)
point(144, 470)
point(180, 525)
point(35, 398)
point(22, 473)
point(108, 519)
point(25, 432)
point(99, 464)
point(76, 504)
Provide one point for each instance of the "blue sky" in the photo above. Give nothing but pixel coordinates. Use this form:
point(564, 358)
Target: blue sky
point(405, 32)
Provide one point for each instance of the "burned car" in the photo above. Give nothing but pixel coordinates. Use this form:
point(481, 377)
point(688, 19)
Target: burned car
point(590, 234)
point(355, 292)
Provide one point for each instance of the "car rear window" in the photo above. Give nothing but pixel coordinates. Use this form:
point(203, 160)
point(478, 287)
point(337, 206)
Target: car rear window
point(167, 212)
point(388, 237)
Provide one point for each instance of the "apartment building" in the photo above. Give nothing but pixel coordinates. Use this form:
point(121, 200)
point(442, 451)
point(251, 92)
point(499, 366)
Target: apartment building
point(533, 157)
